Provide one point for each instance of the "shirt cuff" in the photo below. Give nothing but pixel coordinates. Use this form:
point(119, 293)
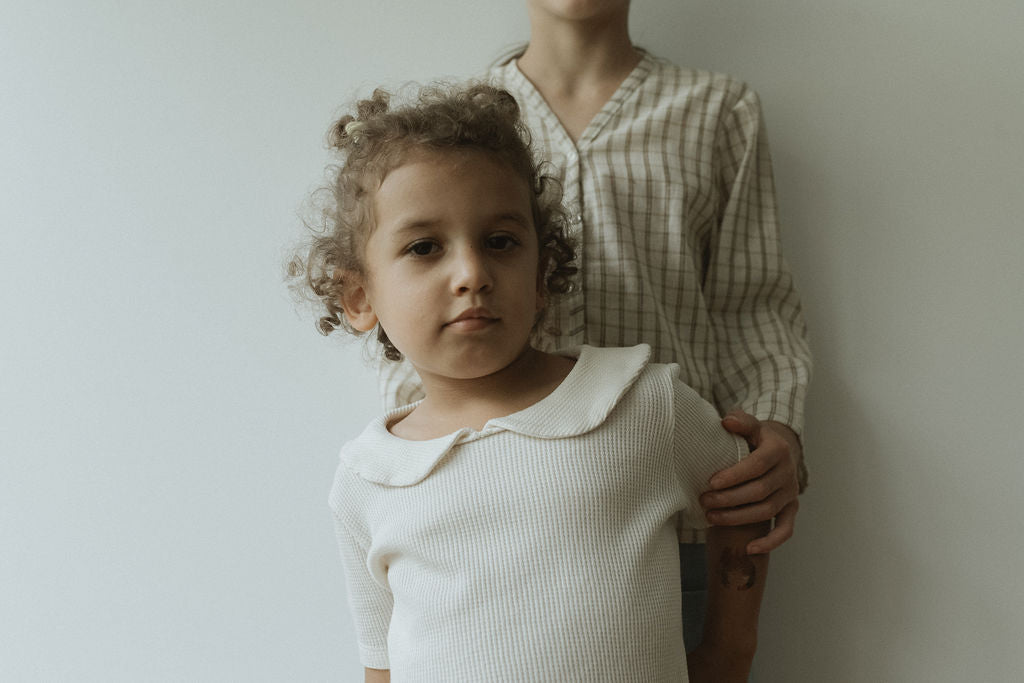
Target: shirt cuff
point(373, 657)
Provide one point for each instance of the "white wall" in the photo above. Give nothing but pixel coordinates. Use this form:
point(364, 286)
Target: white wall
point(169, 422)
point(900, 165)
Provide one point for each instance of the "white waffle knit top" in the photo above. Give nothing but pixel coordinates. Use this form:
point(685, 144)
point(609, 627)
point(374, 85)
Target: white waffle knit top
point(540, 548)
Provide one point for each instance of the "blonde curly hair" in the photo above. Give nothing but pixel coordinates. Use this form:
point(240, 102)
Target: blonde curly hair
point(375, 140)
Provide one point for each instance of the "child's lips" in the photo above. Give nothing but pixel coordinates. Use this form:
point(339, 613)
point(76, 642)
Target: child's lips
point(471, 324)
point(473, 319)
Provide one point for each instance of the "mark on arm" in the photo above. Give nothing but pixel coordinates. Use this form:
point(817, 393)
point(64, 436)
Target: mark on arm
point(736, 570)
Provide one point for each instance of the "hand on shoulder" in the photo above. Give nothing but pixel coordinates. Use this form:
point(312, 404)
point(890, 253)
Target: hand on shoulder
point(763, 486)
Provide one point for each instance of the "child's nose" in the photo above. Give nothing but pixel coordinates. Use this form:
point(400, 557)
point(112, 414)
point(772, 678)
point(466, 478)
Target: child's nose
point(472, 273)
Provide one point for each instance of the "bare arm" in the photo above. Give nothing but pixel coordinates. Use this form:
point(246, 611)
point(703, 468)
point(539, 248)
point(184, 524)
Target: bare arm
point(735, 587)
point(377, 676)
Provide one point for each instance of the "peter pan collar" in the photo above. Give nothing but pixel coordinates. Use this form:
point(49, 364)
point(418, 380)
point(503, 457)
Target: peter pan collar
point(578, 405)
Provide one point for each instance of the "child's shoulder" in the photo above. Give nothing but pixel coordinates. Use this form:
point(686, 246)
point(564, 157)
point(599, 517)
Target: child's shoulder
point(624, 381)
point(603, 368)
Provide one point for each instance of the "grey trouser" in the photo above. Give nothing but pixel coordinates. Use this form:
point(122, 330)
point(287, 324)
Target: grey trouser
point(694, 581)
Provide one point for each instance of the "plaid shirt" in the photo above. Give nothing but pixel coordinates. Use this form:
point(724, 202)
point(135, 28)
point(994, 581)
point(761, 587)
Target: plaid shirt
point(671, 196)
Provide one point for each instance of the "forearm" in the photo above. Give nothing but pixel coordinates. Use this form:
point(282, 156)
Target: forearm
point(377, 675)
point(735, 587)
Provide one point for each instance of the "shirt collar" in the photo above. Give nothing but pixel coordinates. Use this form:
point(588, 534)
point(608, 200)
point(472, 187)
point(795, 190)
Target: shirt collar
point(583, 401)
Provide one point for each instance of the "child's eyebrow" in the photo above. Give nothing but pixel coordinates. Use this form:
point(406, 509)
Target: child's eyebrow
point(515, 217)
point(415, 224)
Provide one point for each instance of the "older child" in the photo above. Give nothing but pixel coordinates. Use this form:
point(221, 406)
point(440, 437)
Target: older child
point(520, 521)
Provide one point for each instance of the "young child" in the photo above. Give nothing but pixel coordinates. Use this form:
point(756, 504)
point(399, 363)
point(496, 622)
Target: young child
point(520, 521)
point(668, 172)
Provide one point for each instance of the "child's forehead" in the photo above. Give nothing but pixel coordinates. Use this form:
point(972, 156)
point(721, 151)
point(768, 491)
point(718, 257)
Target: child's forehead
point(448, 156)
point(447, 171)
point(448, 180)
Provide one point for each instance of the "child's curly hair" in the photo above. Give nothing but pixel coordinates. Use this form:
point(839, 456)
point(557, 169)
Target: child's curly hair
point(376, 140)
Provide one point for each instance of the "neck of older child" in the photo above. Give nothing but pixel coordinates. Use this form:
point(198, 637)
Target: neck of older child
point(452, 403)
point(567, 57)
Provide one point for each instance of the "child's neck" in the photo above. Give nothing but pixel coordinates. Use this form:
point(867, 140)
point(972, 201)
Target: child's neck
point(452, 404)
point(578, 66)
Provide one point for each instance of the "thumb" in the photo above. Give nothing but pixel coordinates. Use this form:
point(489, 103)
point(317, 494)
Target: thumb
point(744, 424)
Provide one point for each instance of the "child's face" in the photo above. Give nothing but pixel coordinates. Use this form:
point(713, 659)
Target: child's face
point(451, 265)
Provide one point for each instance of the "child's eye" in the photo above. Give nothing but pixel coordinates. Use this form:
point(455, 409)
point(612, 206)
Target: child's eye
point(421, 248)
point(501, 242)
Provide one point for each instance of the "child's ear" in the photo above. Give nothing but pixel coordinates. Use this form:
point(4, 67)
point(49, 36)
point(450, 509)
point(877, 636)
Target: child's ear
point(356, 304)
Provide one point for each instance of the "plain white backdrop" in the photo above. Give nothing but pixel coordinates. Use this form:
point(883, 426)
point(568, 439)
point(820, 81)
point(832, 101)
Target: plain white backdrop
point(169, 419)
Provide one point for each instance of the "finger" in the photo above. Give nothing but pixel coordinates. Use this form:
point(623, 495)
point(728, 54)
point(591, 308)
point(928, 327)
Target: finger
point(763, 511)
point(751, 467)
point(783, 531)
point(775, 480)
point(773, 451)
point(743, 424)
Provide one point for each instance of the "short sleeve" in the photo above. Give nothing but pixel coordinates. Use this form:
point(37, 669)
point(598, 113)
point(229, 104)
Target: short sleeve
point(702, 447)
point(370, 599)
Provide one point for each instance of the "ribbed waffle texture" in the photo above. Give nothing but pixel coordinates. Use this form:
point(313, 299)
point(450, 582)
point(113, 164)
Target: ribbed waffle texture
point(541, 548)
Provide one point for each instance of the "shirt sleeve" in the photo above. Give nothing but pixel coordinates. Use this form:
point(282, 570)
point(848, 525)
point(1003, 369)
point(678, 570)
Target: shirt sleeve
point(764, 362)
point(702, 447)
point(398, 383)
point(370, 599)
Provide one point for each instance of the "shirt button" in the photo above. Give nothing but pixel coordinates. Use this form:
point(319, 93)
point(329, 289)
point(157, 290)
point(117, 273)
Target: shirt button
point(576, 219)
